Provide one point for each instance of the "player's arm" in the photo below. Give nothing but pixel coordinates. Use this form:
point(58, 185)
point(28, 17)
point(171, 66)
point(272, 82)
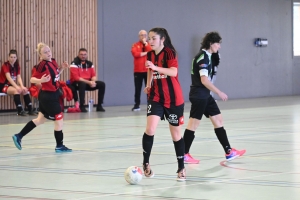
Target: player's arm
point(149, 81)
point(206, 82)
point(10, 80)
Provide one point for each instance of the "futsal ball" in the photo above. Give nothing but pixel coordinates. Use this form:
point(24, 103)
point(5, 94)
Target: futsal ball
point(133, 175)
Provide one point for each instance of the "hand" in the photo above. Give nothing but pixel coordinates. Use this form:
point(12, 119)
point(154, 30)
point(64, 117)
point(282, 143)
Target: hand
point(45, 78)
point(24, 90)
point(150, 65)
point(144, 40)
point(92, 84)
point(223, 96)
point(19, 89)
point(147, 90)
point(64, 65)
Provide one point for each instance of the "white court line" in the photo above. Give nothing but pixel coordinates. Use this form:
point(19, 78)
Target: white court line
point(179, 186)
point(113, 150)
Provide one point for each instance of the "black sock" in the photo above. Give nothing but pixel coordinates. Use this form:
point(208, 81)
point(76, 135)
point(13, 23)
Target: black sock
point(28, 102)
point(179, 149)
point(147, 146)
point(59, 136)
point(188, 138)
point(27, 128)
point(17, 101)
point(222, 137)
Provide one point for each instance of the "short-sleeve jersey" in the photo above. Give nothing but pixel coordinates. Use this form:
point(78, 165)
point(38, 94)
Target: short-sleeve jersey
point(14, 71)
point(48, 68)
point(165, 89)
point(201, 66)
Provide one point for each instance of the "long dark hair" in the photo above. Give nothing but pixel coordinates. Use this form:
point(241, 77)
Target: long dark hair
point(163, 33)
point(16, 64)
point(13, 51)
point(210, 38)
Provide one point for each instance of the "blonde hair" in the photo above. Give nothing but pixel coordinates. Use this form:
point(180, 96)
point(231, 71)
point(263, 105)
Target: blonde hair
point(40, 46)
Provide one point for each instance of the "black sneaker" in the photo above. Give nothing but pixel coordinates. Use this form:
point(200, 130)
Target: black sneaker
point(136, 108)
point(22, 113)
point(17, 141)
point(33, 113)
point(62, 148)
point(147, 170)
point(100, 109)
point(82, 109)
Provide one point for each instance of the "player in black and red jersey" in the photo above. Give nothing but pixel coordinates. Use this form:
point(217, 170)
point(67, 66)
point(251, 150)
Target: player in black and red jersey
point(47, 74)
point(202, 101)
point(165, 99)
point(11, 83)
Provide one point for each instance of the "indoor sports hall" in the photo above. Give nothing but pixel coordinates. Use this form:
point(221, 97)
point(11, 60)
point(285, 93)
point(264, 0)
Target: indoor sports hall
point(259, 70)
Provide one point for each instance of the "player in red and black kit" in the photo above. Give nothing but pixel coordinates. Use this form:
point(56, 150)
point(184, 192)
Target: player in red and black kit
point(202, 103)
point(47, 74)
point(11, 83)
point(139, 52)
point(165, 99)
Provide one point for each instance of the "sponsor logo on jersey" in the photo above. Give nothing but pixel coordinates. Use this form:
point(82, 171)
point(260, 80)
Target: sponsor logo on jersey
point(157, 75)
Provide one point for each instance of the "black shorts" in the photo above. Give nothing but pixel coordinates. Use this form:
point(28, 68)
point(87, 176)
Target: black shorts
point(208, 107)
point(5, 87)
point(174, 114)
point(49, 105)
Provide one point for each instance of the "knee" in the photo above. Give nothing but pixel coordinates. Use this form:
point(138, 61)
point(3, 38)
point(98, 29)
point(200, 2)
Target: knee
point(100, 84)
point(38, 121)
point(58, 125)
point(81, 85)
point(218, 123)
point(193, 124)
point(15, 91)
point(150, 131)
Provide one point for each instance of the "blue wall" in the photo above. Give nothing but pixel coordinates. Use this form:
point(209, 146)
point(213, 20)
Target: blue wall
point(245, 71)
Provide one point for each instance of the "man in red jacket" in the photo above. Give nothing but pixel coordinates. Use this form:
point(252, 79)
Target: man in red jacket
point(139, 52)
point(83, 77)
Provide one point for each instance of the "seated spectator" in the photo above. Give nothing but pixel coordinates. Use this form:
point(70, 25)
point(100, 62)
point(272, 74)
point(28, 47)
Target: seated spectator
point(11, 83)
point(83, 77)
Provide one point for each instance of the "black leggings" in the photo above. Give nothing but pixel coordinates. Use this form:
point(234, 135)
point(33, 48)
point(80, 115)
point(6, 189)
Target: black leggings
point(82, 87)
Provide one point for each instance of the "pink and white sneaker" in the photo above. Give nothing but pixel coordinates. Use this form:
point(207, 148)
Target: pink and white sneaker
point(76, 104)
point(188, 159)
point(234, 153)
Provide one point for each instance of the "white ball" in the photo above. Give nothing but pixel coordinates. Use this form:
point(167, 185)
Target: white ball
point(133, 175)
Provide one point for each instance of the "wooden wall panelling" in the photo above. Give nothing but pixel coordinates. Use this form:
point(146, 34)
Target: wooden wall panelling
point(11, 37)
point(65, 25)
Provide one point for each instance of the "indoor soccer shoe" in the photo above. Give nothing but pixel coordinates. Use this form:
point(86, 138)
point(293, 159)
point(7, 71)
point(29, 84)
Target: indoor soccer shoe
point(188, 159)
point(22, 113)
point(181, 175)
point(147, 170)
point(62, 148)
point(17, 141)
point(234, 154)
point(136, 108)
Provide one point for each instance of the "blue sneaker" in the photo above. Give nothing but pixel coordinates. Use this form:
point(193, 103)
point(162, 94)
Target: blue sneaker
point(62, 148)
point(234, 153)
point(17, 141)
